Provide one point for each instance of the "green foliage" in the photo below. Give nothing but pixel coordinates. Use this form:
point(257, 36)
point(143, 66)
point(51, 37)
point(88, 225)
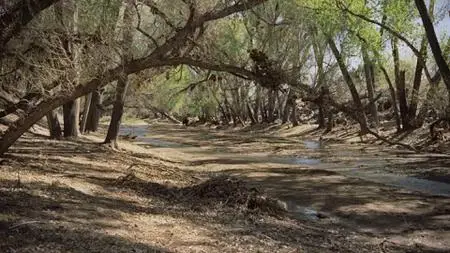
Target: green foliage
point(170, 91)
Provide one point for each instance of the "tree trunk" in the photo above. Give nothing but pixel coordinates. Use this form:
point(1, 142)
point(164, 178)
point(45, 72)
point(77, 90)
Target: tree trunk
point(401, 93)
point(434, 44)
point(87, 108)
point(287, 107)
point(370, 78)
point(94, 115)
point(359, 113)
point(418, 72)
point(393, 98)
point(257, 108)
point(330, 121)
point(250, 114)
point(400, 86)
point(272, 99)
point(294, 119)
point(116, 117)
point(71, 111)
point(321, 115)
point(122, 82)
point(53, 125)
point(417, 81)
point(263, 109)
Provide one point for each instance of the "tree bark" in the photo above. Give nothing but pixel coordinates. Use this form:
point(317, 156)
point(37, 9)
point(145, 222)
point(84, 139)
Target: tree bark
point(250, 114)
point(417, 81)
point(393, 99)
point(122, 83)
point(434, 44)
point(401, 93)
point(257, 107)
point(71, 111)
point(360, 115)
point(370, 79)
point(400, 86)
point(271, 106)
point(53, 125)
point(93, 117)
point(288, 107)
point(294, 119)
point(87, 108)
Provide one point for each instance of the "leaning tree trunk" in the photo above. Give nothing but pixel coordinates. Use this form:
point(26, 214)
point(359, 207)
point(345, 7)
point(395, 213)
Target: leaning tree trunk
point(359, 113)
point(122, 82)
point(53, 125)
point(420, 65)
point(417, 82)
point(118, 108)
point(434, 44)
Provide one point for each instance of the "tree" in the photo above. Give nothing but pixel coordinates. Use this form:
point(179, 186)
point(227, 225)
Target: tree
point(434, 44)
point(164, 54)
point(122, 82)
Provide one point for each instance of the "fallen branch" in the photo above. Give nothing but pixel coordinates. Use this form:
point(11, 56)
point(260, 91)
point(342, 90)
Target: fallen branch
point(384, 139)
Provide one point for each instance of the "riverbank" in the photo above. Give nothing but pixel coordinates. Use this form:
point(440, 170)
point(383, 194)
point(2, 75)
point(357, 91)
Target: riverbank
point(78, 196)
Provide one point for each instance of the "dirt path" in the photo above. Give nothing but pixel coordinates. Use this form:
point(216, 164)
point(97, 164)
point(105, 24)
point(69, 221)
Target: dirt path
point(73, 196)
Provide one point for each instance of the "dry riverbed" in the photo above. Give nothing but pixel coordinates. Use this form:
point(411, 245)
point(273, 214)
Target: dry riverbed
point(178, 189)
